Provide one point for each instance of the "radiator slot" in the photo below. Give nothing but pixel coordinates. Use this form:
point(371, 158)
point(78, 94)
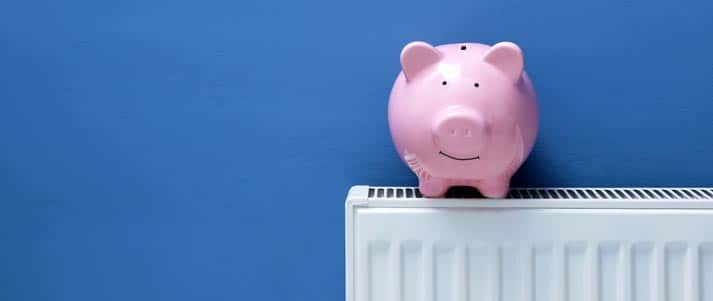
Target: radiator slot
point(558, 193)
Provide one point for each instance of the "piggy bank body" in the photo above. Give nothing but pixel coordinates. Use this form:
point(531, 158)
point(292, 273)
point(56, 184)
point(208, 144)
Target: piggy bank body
point(463, 115)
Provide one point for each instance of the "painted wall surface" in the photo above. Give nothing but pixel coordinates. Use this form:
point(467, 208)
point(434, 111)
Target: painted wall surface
point(202, 150)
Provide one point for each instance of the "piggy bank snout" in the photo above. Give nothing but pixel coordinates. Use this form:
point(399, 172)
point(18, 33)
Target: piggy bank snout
point(459, 132)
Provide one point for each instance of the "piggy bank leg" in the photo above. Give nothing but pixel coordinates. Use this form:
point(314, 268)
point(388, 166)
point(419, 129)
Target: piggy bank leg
point(433, 187)
point(494, 188)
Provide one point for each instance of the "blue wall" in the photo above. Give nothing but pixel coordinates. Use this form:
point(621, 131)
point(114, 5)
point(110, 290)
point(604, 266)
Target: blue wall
point(147, 147)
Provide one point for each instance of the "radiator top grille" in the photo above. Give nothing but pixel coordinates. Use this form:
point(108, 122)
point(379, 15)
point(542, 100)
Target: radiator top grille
point(555, 193)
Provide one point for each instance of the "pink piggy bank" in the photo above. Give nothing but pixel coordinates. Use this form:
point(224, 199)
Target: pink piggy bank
point(463, 115)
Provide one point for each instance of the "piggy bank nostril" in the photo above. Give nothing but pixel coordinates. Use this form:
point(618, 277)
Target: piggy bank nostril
point(453, 132)
point(467, 132)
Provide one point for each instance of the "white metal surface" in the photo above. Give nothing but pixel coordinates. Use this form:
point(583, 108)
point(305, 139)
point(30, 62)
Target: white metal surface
point(554, 244)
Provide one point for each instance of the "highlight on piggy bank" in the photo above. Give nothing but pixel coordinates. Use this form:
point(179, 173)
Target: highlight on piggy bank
point(463, 115)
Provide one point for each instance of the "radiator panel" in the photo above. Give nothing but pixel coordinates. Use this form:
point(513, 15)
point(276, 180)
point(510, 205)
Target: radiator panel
point(465, 250)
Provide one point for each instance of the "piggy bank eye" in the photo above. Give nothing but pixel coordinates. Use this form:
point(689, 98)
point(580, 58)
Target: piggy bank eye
point(462, 47)
point(476, 85)
point(444, 83)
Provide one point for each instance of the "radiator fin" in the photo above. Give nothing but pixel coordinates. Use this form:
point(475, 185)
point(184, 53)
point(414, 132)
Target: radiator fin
point(573, 270)
point(705, 282)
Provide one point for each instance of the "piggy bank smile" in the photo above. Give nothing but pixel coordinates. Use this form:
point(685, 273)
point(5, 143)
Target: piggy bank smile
point(458, 159)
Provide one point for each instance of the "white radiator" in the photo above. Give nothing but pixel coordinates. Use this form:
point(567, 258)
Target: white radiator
point(554, 244)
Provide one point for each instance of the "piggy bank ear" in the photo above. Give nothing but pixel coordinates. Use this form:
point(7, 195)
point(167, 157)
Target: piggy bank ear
point(417, 57)
point(506, 57)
